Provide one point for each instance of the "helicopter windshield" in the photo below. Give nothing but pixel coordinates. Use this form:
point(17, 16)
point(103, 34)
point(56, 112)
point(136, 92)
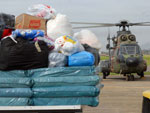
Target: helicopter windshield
point(130, 49)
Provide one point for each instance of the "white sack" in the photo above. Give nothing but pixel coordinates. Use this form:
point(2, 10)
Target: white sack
point(59, 26)
point(88, 37)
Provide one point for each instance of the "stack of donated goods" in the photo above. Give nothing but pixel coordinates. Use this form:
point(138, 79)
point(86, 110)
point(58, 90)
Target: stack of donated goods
point(43, 62)
point(15, 88)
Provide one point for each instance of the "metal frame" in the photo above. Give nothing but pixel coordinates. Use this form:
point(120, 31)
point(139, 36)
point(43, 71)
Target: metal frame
point(41, 109)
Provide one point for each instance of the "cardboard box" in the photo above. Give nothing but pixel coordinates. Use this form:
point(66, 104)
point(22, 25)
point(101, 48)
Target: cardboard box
point(25, 21)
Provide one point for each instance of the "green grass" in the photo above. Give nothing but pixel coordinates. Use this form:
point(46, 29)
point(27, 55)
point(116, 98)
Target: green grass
point(104, 57)
point(146, 73)
point(147, 58)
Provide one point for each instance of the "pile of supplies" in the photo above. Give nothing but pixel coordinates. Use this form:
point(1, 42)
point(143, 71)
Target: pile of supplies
point(43, 62)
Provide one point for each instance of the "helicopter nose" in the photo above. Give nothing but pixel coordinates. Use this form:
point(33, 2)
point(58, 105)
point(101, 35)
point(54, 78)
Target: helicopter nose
point(132, 61)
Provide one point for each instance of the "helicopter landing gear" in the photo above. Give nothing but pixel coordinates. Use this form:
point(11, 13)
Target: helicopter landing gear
point(141, 74)
point(130, 77)
point(105, 74)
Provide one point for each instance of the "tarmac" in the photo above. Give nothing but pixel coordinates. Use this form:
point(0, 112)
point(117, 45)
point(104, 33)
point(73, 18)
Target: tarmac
point(121, 96)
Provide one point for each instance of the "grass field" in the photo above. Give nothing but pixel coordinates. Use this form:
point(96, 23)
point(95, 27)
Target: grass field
point(146, 57)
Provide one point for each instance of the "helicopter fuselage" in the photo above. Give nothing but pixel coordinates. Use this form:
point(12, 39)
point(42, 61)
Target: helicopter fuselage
point(127, 58)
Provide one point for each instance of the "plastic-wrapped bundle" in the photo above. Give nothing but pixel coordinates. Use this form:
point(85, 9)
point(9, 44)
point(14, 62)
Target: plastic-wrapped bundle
point(15, 92)
point(66, 81)
point(41, 10)
point(66, 91)
point(28, 34)
point(62, 71)
point(16, 101)
point(14, 73)
point(91, 101)
point(15, 82)
point(59, 26)
point(57, 60)
point(81, 59)
point(68, 45)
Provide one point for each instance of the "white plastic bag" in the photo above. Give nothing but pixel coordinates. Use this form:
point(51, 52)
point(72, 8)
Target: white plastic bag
point(68, 45)
point(41, 10)
point(88, 37)
point(59, 26)
point(57, 59)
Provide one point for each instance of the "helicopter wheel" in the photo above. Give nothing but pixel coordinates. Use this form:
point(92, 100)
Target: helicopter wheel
point(130, 77)
point(105, 74)
point(127, 77)
point(142, 74)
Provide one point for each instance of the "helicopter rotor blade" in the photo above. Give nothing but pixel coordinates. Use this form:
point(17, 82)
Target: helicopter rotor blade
point(140, 24)
point(88, 27)
point(100, 24)
point(96, 25)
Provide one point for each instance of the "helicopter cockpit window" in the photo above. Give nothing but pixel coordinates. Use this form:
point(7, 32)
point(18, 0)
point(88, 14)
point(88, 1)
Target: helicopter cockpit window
point(130, 49)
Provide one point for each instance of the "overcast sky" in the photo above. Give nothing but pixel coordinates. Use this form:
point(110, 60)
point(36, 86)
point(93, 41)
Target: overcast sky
point(103, 11)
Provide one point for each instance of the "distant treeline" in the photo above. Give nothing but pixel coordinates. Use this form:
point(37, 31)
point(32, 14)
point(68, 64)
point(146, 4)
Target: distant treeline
point(146, 52)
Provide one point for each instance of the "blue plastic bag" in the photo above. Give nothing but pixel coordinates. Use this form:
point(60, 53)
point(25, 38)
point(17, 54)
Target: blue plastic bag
point(15, 92)
point(66, 81)
point(91, 101)
point(62, 71)
point(66, 91)
point(28, 34)
point(81, 59)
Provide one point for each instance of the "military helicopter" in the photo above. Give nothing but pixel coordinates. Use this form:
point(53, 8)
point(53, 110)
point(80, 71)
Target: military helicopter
point(125, 56)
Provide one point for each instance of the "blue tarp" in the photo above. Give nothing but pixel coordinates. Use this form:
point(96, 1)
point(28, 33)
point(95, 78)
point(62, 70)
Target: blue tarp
point(15, 101)
point(66, 81)
point(91, 101)
point(15, 92)
point(62, 71)
point(15, 82)
point(66, 91)
point(51, 86)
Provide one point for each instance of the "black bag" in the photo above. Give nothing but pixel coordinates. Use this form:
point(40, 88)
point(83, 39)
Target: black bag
point(7, 21)
point(94, 52)
point(22, 54)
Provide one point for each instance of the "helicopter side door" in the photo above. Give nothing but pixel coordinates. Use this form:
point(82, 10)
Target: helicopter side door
point(115, 66)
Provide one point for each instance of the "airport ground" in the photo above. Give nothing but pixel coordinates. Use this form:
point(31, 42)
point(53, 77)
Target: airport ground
point(121, 96)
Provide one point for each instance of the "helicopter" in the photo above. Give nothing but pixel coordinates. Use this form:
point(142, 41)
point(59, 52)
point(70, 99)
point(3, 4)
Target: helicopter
point(125, 56)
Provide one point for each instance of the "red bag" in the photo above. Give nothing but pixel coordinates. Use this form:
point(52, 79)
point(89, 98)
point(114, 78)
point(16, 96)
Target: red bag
point(6, 32)
point(7, 23)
